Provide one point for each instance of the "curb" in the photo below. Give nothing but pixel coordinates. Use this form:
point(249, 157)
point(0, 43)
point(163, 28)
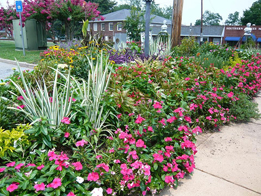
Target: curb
point(22, 64)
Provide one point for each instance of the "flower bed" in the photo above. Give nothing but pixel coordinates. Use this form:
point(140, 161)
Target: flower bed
point(125, 129)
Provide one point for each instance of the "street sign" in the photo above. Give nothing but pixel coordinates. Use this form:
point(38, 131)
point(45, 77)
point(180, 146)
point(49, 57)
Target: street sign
point(19, 6)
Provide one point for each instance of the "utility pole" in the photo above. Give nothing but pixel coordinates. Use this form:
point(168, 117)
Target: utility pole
point(201, 25)
point(176, 22)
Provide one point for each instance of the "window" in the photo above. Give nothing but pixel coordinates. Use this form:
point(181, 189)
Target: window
point(119, 26)
point(110, 26)
point(95, 26)
point(103, 26)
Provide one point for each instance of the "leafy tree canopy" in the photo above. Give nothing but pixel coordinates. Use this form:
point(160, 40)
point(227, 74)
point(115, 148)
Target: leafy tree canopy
point(165, 12)
point(210, 18)
point(105, 6)
point(253, 14)
point(233, 19)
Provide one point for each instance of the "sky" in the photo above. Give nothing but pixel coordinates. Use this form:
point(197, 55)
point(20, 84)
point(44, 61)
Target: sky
point(192, 8)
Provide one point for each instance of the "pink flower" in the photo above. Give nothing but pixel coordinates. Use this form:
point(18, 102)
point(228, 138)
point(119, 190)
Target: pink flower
point(71, 194)
point(12, 164)
point(158, 157)
point(77, 165)
point(20, 98)
point(20, 106)
point(40, 167)
point(19, 166)
point(168, 139)
point(140, 143)
point(104, 166)
point(157, 105)
point(52, 155)
point(230, 94)
point(150, 129)
point(169, 179)
point(187, 79)
point(30, 165)
point(2, 169)
point(39, 187)
point(56, 183)
point(162, 121)
point(67, 134)
point(94, 176)
point(171, 119)
point(72, 99)
point(139, 119)
point(12, 187)
point(81, 143)
point(109, 191)
point(66, 120)
point(111, 150)
point(98, 157)
point(119, 116)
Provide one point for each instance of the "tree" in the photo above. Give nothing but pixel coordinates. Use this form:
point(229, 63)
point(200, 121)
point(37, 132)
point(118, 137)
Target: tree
point(121, 7)
point(252, 15)
point(233, 19)
point(104, 6)
point(210, 19)
point(165, 12)
point(135, 24)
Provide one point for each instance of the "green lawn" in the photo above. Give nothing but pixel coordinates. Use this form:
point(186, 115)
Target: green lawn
point(7, 51)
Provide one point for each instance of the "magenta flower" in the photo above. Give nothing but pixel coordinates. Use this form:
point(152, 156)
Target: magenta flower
point(71, 194)
point(94, 176)
point(56, 183)
point(140, 143)
point(72, 99)
point(162, 121)
point(109, 191)
point(150, 129)
point(39, 187)
point(40, 167)
point(66, 120)
point(171, 119)
point(67, 134)
point(157, 105)
point(139, 119)
point(30, 165)
point(12, 187)
point(12, 164)
point(81, 143)
point(19, 166)
point(230, 94)
point(20, 98)
point(169, 179)
point(168, 139)
point(20, 106)
point(158, 157)
point(52, 155)
point(2, 169)
point(77, 165)
point(104, 166)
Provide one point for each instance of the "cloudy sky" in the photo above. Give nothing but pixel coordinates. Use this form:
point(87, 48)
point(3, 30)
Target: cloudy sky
point(192, 9)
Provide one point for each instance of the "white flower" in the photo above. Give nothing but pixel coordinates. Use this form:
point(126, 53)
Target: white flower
point(62, 66)
point(79, 179)
point(15, 143)
point(97, 192)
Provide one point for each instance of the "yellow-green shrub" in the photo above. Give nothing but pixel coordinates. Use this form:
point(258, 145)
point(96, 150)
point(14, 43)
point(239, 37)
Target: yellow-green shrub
point(233, 61)
point(10, 139)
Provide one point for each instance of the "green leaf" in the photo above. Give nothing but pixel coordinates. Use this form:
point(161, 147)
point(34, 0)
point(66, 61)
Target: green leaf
point(47, 142)
point(30, 131)
point(33, 174)
point(62, 188)
point(25, 184)
point(142, 186)
point(155, 166)
point(44, 130)
point(20, 175)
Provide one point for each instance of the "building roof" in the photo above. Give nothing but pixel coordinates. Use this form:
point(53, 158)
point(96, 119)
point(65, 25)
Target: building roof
point(215, 31)
point(121, 15)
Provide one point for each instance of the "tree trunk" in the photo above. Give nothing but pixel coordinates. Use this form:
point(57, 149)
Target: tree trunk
point(176, 22)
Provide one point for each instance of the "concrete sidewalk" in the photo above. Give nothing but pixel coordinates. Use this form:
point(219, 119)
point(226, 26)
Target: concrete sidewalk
point(228, 163)
point(7, 65)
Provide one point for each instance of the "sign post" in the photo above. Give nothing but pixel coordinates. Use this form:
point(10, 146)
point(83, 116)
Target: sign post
point(19, 8)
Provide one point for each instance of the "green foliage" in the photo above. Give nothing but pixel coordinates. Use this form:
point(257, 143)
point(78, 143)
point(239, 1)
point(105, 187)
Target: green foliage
point(165, 12)
point(188, 47)
point(209, 59)
point(250, 43)
point(135, 24)
point(252, 14)
point(244, 109)
point(104, 6)
point(12, 141)
point(233, 19)
point(210, 18)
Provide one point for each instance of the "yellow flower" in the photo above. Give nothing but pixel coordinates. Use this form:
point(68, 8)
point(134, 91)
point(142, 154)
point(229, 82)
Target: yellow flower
point(14, 68)
point(2, 83)
point(71, 66)
point(93, 58)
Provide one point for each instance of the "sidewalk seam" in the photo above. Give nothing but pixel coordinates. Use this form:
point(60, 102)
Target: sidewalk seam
point(227, 180)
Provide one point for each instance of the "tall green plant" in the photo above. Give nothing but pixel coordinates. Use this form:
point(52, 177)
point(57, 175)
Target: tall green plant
point(39, 103)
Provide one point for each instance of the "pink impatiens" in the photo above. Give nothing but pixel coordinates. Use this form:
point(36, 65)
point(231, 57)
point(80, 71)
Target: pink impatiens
point(66, 120)
point(12, 187)
point(39, 187)
point(94, 176)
